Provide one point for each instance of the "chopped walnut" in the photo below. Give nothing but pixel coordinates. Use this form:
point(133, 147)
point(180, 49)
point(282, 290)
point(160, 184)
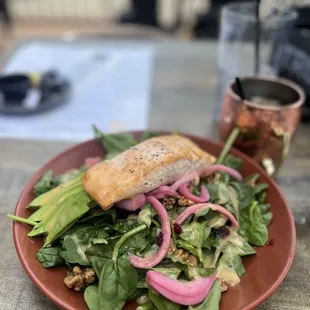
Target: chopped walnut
point(224, 284)
point(213, 178)
point(80, 278)
point(183, 202)
point(182, 254)
point(168, 202)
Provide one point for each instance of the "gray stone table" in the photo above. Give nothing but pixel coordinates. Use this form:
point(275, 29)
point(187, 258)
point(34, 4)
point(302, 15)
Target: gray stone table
point(182, 98)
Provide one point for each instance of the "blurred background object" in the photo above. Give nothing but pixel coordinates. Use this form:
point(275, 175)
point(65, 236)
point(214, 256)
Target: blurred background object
point(117, 25)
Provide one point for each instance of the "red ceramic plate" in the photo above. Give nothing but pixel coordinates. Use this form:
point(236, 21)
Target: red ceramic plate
point(264, 271)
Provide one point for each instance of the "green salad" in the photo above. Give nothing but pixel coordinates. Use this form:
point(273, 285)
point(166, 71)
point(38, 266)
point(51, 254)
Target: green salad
point(102, 249)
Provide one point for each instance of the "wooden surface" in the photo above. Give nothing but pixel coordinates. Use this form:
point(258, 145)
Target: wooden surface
point(182, 99)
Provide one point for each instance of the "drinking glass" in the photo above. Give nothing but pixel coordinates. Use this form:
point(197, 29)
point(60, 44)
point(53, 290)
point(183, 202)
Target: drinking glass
point(237, 48)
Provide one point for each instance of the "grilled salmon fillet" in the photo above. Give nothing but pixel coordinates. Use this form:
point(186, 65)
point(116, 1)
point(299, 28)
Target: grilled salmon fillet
point(157, 161)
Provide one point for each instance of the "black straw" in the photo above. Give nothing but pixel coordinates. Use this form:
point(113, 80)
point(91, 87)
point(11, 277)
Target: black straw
point(239, 88)
point(257, 37)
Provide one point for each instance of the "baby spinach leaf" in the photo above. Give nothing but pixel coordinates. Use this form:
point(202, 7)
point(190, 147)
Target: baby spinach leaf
point(245, 194)
point(236, 263)
point(148, 135)
point(195, 233)
point(50, 257)
point(207, 258)
point(136, 244)
point(108, 216)
point(91, 297)
point(75, 244)
point(233, 162)
point(253, 226)
point(116, 284)
point(45, 184)
point(98, 255)
point(264, 208)
point(212, 301)
point(195, 272)
point(162, 303)
point(145, 215)
point(267, 218)
point(171, 272)
point(251, 179)
point(190, 248)
point(123, 226)
point(115, 143)
point(211, 242)
point(261, 197)
point(147, 306)
point(219, 192)
point(260, 187)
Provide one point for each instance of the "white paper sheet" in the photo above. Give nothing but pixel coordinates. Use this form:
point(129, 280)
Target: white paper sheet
point(111, 88)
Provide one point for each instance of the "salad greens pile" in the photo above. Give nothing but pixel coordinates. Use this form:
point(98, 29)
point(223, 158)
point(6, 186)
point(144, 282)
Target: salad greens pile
point(80, 233)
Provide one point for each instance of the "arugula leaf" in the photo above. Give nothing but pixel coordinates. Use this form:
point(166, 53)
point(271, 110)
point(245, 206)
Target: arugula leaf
point(116, 284)
point(115, 143)
point(91, 297)
point(253, 226)
point(245, 194)
point(161, 302)
point(75, 244)
point(50, 256)
point(45, 184)
point(212, 301)
point(233, 162)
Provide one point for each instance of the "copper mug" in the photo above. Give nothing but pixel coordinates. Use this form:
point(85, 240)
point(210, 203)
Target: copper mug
point(267, 118)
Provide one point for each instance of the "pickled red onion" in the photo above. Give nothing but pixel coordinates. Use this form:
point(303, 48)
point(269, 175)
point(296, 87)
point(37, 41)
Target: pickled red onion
point(204, 194)
point(151, 261)
point(193, 209)
point(91, 161)
point(162, 191)
point(184, 293)
point(132, 204)
point(185, 179)
point(214, 168)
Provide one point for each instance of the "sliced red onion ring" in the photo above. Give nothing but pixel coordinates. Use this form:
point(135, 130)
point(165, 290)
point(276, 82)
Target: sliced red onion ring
point(151, 261)
point(163, 191)
point(184, 293)
point(132, 204)
point(92, 161)
point(185, 179)
point(204, 194)
point(198, 207)
point(214, 168)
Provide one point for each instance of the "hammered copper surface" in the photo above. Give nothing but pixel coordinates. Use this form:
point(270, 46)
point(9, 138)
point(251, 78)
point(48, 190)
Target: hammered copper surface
point(264, 271)
point(262, 127)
